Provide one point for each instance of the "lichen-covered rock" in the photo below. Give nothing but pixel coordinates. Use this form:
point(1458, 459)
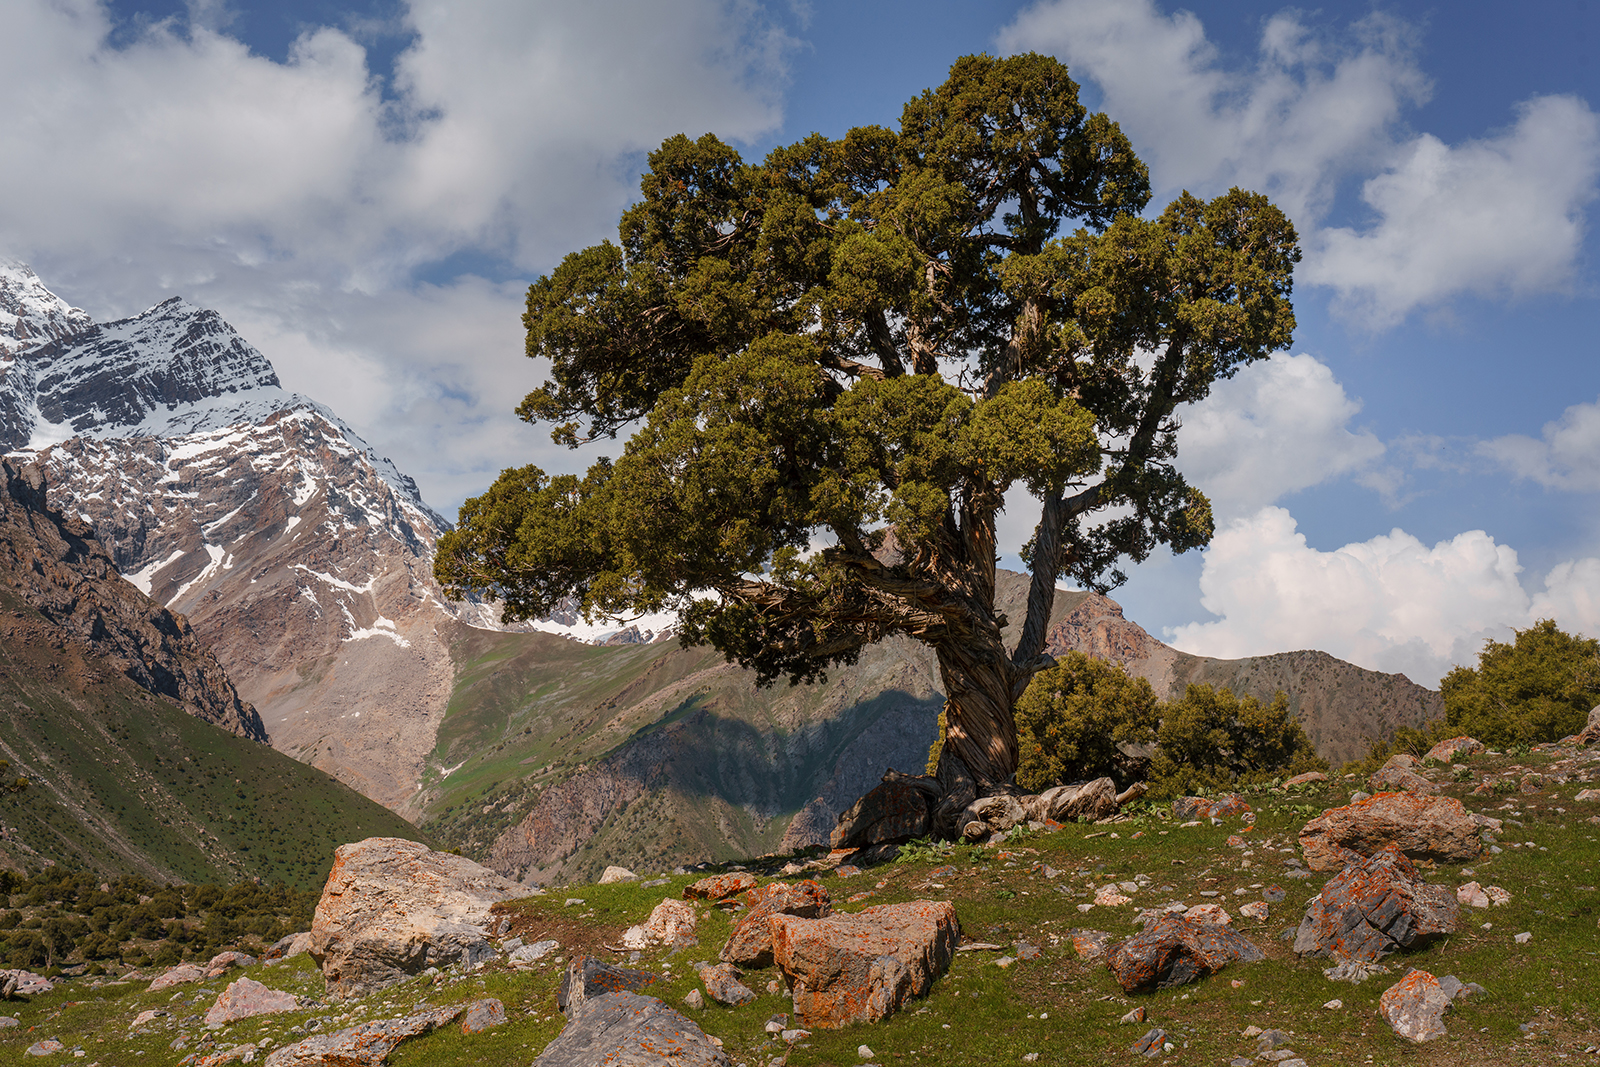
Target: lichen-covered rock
point(629, 1030)
point(671, 922)
point(587, 978)
point(481, 1015)
point(750, 944)
point(1375, 906)
point(894, 810)
point(19, 983)
point(246, 998)
point(723, 985)
point(288, 946)
point(1206, 808)
point(846, 969)
point(720, 887)
point(223, 962)
point(1400, 780)
point(1422, 827)
point(1414, 1007)
point(1307, 778)
point(1173, 950)
point(366, 1045)
point(393, 907)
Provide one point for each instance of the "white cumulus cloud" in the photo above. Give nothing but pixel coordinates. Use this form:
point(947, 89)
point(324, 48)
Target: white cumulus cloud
point(1502, 215)
point(1565, 456)
point(1391, 603)
point(1278, 426)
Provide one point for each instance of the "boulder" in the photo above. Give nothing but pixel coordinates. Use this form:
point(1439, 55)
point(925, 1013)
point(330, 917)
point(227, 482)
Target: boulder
point(19, 983)
point(366, 1045)
point(1173, 950)
point(1424, 827)
point(1414, 1007)
point(392, 908)
point(629, 1030)
point(750, 944)
point(481, 1015)
point(48, 1047)
point(613, 875)
point(895, 810)
point(845, 969)
point(1376, 905)
point(587, 978)
point(672, 922)
point(246, 998)
point(723, 985)
point(183, 972)
point(720, 887)
point(1400, 780)
point(1307, 778)
point(1207, 808)
point(1591, 731)
point(223, 962)
point(288, 946)
point(1453, 748)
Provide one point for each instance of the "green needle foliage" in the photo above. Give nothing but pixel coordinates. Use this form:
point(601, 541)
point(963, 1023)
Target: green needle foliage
point(1538, 688)
point(863, 344)
point(1074, 719)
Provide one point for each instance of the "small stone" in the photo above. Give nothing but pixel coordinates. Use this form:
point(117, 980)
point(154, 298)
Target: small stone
point(791, 1036)
point(1030, 1057)
point(1152, 1040)
point(481, 1015)
point(1273, 894)
point(864, 1052)
point(1133, 1017)
point(1268, 1040)
point(1250, 1031)
point(613, 875)
point(694, 1000)
point(1334, 1004)
point(1026, 951)
point(1523, 938)
point(1258, 910)
point(1005, 961)
point(777, 1024)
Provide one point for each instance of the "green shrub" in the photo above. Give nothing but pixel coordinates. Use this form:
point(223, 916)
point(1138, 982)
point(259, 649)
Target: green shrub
point(1212, 740)
point(1076, 718)
point(1538, 688)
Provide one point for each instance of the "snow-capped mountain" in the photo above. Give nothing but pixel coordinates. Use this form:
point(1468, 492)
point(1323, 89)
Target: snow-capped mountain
point(302, 557)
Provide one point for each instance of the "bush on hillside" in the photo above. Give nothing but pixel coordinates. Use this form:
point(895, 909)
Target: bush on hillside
point(1212, 740)
point(1077, 720)
point(1538, 688)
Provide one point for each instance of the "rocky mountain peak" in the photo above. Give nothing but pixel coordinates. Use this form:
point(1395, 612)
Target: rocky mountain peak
point(31, 314)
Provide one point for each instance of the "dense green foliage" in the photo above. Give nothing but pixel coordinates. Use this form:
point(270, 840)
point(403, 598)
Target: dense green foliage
point(1074, 719)
point(1211, 739)
point(865, 343)
point(1538, 688)
point(60, 916)
point(1087, 718)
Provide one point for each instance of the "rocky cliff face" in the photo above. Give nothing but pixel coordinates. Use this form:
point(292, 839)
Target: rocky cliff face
point(299, 556)
point(55, 565)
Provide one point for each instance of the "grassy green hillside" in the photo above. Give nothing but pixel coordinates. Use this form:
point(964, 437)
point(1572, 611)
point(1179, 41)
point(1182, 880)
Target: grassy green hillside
point(123, 782)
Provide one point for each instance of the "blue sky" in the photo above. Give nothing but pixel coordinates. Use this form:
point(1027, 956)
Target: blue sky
point(365, 188)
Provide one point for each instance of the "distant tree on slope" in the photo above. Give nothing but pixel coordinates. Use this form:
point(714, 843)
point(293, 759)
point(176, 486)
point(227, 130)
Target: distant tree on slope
point(862, 344)
point(1538, 688)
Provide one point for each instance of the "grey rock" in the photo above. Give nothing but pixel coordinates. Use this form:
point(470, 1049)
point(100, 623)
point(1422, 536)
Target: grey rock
point(629, 1030)
point(588, 977)
point(366, 1045)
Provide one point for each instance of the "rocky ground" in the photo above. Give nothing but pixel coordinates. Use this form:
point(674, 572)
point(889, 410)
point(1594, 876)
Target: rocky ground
point(1027, 984)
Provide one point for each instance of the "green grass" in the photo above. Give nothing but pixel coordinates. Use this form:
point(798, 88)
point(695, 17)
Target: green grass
point(1059, 1006)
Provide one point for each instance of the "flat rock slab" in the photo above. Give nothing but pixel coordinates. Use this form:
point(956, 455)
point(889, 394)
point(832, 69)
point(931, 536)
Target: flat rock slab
point(587, 978)
point(392, 908)
point(1423, 827)
point(629, 1030)
point(183, 972)
point(750, 944)
point(481, 1015)
point(846, 969)
point(720, 887)
point(1376, 905)
point(246, 998)
point(366, 1045)
point(1174, 950)
point(223, 962)
point(1414, 1007)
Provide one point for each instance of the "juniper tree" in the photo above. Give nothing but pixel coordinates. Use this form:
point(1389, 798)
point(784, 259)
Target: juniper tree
point(833, 365)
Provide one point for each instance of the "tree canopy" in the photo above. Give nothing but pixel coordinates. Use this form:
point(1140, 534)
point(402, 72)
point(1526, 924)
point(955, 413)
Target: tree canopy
point(835, 364)
point(1538, 688)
